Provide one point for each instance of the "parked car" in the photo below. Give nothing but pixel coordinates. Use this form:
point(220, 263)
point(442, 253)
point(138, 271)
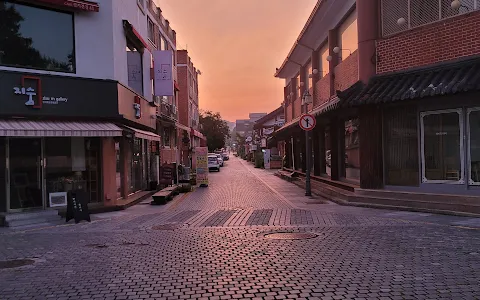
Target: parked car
point(225, 156)
point(220, 159)
point(213, 163)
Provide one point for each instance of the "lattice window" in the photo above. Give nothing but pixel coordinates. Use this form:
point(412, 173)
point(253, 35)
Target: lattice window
point(401, 15)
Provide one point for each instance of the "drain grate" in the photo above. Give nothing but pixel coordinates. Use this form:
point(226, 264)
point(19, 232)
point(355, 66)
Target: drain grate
point(291, 236)
point(15, 263)
point(166, 227)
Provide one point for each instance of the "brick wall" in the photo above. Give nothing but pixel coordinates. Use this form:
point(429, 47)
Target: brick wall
point(289, 115)
point(346, 73)
point(323, 90)
point(183, 117)
point(297, 107)
point(440, 41)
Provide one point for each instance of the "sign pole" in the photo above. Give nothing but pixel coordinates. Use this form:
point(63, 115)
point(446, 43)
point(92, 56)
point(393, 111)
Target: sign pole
point(307, 122)
point(308, 189)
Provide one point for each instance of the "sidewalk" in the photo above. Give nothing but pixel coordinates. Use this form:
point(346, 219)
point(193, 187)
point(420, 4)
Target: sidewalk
point(294, 195)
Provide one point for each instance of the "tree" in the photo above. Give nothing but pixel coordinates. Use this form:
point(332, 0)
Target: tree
point(215, 129)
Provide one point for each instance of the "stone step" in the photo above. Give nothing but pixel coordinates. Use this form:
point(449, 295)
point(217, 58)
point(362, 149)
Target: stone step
point(430, 197)
point(421, 204)
point(29, 218)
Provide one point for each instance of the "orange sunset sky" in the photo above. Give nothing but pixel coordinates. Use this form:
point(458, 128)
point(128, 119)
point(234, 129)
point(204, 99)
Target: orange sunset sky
point(237, 44)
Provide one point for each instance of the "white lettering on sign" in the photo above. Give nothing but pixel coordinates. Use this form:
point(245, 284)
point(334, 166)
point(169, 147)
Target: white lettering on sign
point(54, 100)
point(30, 92)
point(441, 133)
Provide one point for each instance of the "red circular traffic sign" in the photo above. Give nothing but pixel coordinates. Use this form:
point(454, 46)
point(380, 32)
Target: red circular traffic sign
point(307, 122)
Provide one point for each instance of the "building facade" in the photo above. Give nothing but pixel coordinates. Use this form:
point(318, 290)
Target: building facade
point(393, 99)
point(188, 107)
point(75, 116)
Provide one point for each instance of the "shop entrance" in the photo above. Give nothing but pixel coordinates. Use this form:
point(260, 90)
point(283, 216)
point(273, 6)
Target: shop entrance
point(25, 174)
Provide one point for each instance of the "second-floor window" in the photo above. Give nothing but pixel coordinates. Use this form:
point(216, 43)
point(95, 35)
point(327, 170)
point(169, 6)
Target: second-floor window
point(308, 76)
point(399, 16)
point(323, 68)
point(151, 30)
point(36, 38)
point(166, 136)
point(348, 36)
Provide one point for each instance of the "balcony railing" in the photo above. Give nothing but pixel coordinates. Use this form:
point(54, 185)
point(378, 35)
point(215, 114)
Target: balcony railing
point(167, 111)
point(398, 16)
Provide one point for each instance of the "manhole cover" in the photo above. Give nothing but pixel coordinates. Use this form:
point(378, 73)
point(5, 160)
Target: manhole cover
point(15, 263)
point(291, 236)
point(166, 227)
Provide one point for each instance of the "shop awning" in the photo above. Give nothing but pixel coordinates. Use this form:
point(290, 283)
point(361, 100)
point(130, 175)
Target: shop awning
point(30, 128)
point(142, 134)
point(442, 79)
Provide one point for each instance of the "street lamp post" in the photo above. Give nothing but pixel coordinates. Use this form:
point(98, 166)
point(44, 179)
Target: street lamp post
point(307, 99)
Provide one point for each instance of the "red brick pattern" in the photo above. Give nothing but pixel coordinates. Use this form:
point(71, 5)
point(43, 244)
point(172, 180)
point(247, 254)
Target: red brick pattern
point(289, 113)
point(297, 107)
point(437, 42)
point(346, 72)
point(322, 88)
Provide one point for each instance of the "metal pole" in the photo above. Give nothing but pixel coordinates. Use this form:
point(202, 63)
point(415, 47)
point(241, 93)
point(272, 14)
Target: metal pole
point(308, 152)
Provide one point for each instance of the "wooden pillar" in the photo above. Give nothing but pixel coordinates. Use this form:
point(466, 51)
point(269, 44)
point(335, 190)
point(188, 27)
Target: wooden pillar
point(316, 151)
point(371, 154)
point(303, 148)
point(319, 150)
point(296, 152)
point(335, 149)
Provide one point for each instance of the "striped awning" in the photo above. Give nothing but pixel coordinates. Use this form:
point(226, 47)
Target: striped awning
point(30, 128)
point(142, 134)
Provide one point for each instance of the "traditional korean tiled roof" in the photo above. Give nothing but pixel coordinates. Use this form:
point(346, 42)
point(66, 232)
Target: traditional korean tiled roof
point(443, 79)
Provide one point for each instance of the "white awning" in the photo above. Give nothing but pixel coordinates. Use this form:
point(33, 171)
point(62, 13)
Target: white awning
point(146, 135)
point(30, 128)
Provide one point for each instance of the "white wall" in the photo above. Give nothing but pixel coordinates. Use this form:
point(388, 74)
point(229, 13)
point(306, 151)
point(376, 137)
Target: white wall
point(94, 42)
point(129, 10)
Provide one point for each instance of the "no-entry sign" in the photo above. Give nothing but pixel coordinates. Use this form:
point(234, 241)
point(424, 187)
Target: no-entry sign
point(307, 122)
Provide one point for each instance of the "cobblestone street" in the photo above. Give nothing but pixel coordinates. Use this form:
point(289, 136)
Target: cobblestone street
point(211, 244)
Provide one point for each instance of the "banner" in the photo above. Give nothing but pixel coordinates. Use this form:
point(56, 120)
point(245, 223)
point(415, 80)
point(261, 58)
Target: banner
point(163, 69)
point(201, 160)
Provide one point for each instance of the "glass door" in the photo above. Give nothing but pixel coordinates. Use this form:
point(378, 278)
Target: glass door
point(442, 146)
point(25, 174)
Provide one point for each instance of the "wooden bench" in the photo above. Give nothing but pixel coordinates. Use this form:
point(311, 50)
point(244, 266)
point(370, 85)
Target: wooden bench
point(163, 196)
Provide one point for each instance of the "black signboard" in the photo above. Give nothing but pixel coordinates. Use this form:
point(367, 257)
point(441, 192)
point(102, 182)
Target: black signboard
point(77, 207)
point(27, 94)
point(167, 172)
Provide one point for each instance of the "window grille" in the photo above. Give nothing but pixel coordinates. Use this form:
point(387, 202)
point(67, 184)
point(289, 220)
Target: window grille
point(402, 15)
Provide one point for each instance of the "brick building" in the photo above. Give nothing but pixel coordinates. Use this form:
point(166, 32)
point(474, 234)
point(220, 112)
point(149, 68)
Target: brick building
point(74, 118)
point(188, 108)
point(394, 85)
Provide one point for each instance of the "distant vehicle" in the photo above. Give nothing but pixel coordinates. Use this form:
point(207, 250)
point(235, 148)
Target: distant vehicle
point(225, 156)
point(213, 162)
point(220, 159)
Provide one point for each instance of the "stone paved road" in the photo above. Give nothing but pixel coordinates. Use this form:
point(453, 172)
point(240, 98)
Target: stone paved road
point(210, 244)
